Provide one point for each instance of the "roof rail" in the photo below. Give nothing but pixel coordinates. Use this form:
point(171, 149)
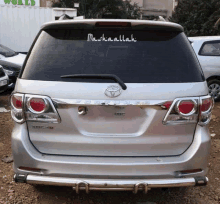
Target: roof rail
point(65, 17)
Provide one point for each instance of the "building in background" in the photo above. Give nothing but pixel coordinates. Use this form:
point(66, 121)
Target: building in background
point(151, 8)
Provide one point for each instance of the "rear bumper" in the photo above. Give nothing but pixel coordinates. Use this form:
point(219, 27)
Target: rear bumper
point(112, 184)
point(76, 167)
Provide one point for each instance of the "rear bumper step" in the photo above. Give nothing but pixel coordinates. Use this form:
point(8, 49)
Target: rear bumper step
point(111, 184)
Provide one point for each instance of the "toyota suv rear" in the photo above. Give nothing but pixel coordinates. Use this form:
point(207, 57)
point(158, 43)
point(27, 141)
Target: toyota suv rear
point(111, 105)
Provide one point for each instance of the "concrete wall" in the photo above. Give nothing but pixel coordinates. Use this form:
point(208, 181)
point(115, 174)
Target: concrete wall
point(156, 7)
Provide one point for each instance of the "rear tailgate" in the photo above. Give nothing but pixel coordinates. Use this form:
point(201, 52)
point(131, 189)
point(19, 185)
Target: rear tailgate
point(156, 66)
point(129, 128)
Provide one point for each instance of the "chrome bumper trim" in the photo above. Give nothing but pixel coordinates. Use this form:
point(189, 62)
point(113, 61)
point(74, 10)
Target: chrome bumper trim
point(114, 184)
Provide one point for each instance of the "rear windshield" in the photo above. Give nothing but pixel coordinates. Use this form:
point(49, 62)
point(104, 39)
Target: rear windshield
point(135, 56)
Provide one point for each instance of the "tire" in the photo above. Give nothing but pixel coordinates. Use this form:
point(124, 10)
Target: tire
point(214, 89)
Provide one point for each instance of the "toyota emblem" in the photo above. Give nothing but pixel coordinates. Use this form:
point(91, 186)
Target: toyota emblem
point(113, 91)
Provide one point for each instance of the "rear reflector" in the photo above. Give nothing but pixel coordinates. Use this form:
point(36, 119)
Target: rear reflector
point(191, 171)
point(29, 169)
point(113, 24)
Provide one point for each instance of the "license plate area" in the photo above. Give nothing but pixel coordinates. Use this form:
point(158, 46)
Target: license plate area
point(111, 120)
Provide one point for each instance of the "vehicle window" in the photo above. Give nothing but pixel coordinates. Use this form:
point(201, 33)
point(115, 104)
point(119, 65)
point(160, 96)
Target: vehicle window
point(6, 51)
point(135, 56)
point(210, 49)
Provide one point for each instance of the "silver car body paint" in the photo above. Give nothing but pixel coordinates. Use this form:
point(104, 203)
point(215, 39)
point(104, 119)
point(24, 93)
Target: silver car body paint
point(103, 132)
point(196, 156)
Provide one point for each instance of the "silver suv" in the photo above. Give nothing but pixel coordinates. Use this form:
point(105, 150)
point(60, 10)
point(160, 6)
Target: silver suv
point(111, 105)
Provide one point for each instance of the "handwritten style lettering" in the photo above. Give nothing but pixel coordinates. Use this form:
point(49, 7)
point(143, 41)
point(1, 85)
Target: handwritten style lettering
point(103, 38)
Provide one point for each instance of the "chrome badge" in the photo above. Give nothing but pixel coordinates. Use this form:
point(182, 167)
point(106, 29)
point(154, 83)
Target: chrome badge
point(113, 91)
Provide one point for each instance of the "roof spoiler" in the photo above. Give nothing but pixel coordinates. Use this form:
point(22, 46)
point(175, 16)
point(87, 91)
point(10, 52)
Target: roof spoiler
point(67, 17)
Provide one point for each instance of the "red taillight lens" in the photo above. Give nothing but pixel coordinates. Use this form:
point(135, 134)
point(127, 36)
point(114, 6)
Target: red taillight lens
point(167, 104)
point(37, 104)
point(186, 107)
point(16, 101)
point(206, 104)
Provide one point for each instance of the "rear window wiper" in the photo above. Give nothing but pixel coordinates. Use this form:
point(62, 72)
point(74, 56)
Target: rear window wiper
point(98, 76)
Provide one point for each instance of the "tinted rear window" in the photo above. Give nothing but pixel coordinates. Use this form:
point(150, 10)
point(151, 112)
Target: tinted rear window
point(135, 56)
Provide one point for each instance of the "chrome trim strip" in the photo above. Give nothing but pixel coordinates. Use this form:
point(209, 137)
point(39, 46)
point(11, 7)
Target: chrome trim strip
point(107, 102)
point(112, 184)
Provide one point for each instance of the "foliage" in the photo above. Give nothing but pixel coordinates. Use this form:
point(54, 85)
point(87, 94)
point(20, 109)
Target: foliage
point(198, 17)
point(102, 8)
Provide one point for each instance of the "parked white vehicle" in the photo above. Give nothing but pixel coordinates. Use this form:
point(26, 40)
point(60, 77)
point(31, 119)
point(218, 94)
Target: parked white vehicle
point(208, 52)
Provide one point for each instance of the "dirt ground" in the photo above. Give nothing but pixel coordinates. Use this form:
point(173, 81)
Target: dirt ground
point(11, 192)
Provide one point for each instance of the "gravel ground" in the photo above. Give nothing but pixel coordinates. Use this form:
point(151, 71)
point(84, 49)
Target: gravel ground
point(11, 192)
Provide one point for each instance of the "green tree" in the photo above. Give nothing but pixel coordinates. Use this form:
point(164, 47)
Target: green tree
point(103, 8)
point(198, 17)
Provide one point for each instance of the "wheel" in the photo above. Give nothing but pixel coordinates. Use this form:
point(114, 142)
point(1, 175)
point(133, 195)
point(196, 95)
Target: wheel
point(214, 89)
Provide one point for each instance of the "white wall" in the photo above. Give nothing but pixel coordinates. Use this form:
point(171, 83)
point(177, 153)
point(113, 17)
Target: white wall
point(19, 25)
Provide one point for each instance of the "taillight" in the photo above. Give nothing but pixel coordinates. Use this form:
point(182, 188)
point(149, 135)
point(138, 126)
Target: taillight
point(206, 106)
point(188, 110)
point(17, 113)
point(16, 101)
point(37, 105)
point(186, 107)
point(33, 108)
point(167, 105)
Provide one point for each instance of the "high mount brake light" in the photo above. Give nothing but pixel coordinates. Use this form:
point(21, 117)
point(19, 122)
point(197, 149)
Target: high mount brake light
point(113, 24)
point(33, 108)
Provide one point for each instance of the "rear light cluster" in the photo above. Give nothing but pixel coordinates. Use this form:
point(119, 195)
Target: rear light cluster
point(33, 108)
point(188, 110)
